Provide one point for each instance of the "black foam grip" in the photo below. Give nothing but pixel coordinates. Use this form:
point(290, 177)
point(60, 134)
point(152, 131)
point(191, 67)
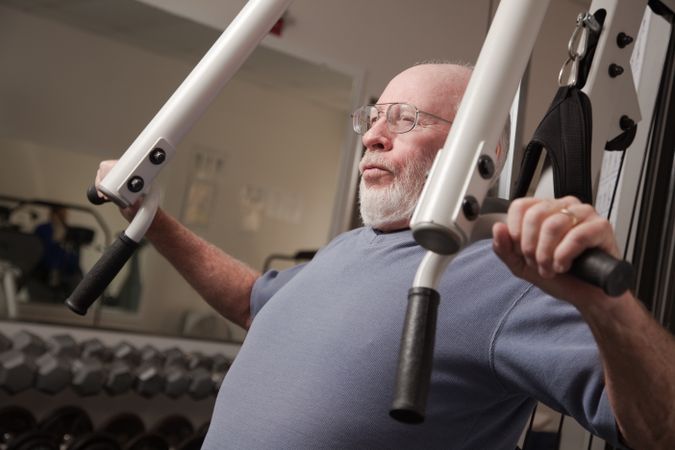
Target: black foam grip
point(613, 276)
point(415, 356)
point(93, 197)
point(99, 277)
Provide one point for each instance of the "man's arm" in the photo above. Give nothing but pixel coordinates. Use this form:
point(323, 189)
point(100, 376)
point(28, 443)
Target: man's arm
point(223, 281)
point(539, 243)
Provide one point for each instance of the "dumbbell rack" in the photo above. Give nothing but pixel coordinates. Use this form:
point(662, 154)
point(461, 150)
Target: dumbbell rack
point(152, 402)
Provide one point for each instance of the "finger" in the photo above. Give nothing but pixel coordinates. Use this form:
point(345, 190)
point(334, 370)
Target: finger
point(532, 222)
point(504, 247)
point(594, 232)
point(553, 230)
point(514, 219)
point(103, 169)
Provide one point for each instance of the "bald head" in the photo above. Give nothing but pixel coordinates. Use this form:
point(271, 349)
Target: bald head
point(435, 88)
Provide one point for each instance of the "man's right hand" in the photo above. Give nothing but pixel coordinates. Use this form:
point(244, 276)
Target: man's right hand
point(103, 169)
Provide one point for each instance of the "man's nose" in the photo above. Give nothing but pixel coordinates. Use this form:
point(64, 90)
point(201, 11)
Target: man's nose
point(378, 136)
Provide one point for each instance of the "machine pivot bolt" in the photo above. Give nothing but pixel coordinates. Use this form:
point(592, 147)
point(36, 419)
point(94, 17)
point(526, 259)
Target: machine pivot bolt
point(623, 40)
point(470, 207)
point(157, 156)
point(135, 184)
point(615, 70)
point(486, 167)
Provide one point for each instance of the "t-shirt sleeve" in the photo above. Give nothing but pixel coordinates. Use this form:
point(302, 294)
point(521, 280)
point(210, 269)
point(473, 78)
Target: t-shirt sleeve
point(268, 284)
point(544, 348)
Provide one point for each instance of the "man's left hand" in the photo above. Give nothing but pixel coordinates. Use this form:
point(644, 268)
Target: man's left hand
point(542, 237)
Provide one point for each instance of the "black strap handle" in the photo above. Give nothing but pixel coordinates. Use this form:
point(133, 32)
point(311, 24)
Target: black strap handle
point(99, 277)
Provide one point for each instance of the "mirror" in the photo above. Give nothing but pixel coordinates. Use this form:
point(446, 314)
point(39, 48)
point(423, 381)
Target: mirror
point(257, 176)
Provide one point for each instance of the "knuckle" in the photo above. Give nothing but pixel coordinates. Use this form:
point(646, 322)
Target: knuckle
point(571, 200)
point(517, 206)
point(536, 213)
point(544, 257)
point(554, 225)
point(529, 250)
point(587, 210)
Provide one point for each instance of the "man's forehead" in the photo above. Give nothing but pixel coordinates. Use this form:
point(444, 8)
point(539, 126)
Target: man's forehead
point(434, 88)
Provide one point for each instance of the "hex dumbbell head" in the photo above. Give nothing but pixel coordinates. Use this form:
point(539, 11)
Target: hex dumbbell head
point(29, 343)
point(53, 373)
point(149, 354)
point(120, 378)
point(220, 363)
point(149, 380)
point(88, 376)
point(126, 352)
point(17, 371)
point(63, 345)
point(174, 357)
point(94, 348)
point(177, 381)
point(197, 359)
point(201, 384)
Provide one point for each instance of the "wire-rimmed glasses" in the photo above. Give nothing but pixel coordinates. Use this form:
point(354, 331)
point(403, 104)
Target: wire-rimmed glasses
point(400, 117)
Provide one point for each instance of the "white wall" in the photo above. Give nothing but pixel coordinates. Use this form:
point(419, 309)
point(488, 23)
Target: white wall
point(381, 37)
point(69, 96)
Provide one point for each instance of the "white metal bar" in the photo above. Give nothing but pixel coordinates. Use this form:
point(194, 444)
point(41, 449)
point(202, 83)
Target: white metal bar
point(438, 218)
point(144, 217)
point(191, 99)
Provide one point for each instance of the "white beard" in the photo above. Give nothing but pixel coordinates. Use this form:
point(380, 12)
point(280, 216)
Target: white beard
point(394, 203)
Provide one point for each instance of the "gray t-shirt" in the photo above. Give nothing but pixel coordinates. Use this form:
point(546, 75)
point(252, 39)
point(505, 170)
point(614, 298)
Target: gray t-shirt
point(317, 368)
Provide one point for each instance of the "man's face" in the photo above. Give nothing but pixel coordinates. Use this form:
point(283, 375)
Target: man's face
point(394, 167)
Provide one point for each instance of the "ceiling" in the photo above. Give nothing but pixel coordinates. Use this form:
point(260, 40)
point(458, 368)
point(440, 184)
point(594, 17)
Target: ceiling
point(162, 33)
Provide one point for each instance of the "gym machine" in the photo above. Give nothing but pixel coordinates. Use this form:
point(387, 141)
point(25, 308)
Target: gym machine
point(451, 201)
point(436, 225)
point(457, 186)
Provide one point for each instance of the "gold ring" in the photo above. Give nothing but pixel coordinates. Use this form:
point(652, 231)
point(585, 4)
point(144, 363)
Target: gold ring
point(571, 215)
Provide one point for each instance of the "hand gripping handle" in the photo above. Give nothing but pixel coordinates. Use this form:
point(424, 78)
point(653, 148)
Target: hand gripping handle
point(100, 276)
point(93, 197)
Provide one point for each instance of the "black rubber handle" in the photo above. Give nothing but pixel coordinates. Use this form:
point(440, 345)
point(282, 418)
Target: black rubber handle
point(415, 356)
point(93, 197)
point(613, 276)
point(413, 378)
point(99, 277)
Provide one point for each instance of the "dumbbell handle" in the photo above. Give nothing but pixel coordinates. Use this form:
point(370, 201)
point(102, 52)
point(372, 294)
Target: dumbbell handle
point(99, 277)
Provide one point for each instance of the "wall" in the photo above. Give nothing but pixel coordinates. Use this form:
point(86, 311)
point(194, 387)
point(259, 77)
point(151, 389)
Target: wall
point(69, 96)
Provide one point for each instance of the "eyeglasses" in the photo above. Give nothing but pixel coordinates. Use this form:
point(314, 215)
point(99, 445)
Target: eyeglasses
point(401, 117)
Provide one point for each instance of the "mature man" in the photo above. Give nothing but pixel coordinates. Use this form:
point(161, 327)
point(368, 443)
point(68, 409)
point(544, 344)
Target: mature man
point(317, 367)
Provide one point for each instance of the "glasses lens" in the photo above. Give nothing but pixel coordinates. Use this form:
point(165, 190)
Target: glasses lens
point(401, 117)
point(363, 118)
